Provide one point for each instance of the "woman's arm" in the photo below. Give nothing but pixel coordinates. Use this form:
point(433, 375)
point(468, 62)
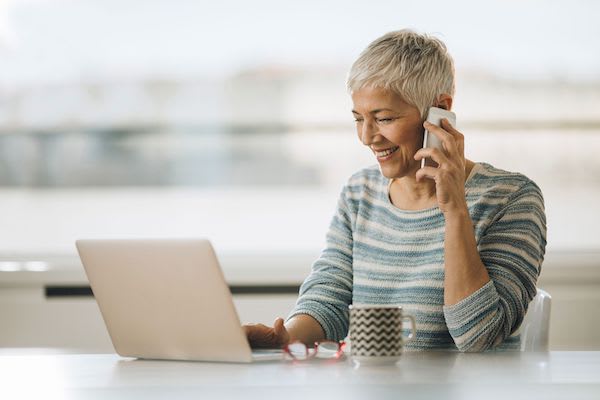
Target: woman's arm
point(488, 285)
point(512, 250)
point(464, 271)
point(326, 293)
point(321, 311)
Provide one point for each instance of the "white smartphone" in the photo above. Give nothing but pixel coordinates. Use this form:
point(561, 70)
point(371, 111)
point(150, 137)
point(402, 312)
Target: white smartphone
point(435, 116)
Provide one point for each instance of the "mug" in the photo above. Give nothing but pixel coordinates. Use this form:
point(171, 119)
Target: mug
point(376, 333)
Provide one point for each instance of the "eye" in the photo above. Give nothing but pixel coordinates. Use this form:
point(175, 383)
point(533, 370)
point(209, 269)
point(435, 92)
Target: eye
point(385, 121)
point(358, 120)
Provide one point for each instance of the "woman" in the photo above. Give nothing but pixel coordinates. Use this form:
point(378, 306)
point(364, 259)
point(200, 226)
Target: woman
point(459, 246)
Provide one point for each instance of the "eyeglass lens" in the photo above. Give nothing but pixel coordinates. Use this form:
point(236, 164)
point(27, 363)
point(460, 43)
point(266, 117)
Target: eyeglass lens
point(299, 351)
point(328, 350)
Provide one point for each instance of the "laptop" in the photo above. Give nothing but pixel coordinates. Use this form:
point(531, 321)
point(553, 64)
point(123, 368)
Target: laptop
point(166, 299)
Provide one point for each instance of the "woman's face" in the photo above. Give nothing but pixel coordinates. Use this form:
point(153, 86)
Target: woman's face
point(390, 127)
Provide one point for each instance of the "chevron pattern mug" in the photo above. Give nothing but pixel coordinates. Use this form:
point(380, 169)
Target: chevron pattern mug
point(376, 335)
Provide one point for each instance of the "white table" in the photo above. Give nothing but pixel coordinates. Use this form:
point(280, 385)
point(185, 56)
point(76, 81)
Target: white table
point(419, 375)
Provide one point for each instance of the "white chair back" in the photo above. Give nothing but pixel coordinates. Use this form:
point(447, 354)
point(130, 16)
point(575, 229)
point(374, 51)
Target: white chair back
point(535, 328)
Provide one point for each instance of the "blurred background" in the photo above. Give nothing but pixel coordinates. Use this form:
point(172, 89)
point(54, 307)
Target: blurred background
point(230, 120)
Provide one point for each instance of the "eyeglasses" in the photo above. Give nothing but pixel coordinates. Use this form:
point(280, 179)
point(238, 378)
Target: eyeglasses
point(327, 349)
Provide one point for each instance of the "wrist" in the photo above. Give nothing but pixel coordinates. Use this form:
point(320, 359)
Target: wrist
point(457, 214)
point(304, 328)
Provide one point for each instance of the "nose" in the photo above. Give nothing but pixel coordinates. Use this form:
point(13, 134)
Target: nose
point(367, 131)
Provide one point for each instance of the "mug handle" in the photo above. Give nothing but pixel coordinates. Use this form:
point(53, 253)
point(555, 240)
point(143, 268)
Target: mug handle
point(413, 329)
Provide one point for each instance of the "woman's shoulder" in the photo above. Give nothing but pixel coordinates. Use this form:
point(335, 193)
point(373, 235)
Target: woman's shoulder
point(488, 177)
point(365, 185)
point(370, 177)
point(499, 187)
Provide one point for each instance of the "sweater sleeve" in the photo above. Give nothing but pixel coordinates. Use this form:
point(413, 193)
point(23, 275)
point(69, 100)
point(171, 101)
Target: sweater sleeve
point(512, 249)
point(327, 291)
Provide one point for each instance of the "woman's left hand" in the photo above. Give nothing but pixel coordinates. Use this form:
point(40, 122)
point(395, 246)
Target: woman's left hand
point(449, 175)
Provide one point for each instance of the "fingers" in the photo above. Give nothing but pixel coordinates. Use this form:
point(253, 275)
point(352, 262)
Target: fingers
point(260, 335)
point(448, 135)
point(254, 331)
point(458, 136)
point(426, 172)
point(278, 326)
point(435, 154)
point(437, 174)
point(444, 136)
point(281, 332)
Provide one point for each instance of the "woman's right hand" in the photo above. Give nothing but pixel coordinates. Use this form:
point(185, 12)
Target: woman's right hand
point(262, 336)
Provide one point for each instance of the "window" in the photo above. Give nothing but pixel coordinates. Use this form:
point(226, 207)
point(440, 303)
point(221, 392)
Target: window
point(231, 120)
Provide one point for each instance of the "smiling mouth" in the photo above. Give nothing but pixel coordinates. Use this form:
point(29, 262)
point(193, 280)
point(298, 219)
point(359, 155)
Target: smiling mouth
point(387, 152)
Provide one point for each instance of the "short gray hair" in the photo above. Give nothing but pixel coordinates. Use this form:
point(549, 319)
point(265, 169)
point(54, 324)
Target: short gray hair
point(415, 66)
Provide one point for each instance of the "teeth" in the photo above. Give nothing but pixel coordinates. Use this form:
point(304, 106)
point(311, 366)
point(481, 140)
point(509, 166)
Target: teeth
point(385, 153)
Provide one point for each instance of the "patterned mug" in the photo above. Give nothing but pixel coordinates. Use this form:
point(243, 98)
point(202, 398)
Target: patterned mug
point(376, 335)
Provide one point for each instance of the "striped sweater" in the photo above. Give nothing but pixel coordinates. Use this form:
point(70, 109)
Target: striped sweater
point(379, 254)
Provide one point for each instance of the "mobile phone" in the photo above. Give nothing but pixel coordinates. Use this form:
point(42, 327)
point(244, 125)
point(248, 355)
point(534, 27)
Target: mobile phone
point(435, 116)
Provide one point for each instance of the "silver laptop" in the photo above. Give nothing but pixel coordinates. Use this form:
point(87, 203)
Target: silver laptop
point(166, 299)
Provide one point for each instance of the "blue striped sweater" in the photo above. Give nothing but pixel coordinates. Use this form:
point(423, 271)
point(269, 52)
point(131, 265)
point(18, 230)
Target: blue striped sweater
point(378, 254)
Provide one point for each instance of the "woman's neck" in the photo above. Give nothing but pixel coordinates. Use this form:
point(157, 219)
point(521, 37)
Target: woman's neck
point(408, 194)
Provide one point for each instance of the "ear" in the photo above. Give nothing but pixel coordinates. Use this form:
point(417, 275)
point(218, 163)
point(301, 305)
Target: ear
point(445, 101)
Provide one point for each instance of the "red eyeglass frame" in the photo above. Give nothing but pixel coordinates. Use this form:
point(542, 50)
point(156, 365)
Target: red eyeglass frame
point(309, 355)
